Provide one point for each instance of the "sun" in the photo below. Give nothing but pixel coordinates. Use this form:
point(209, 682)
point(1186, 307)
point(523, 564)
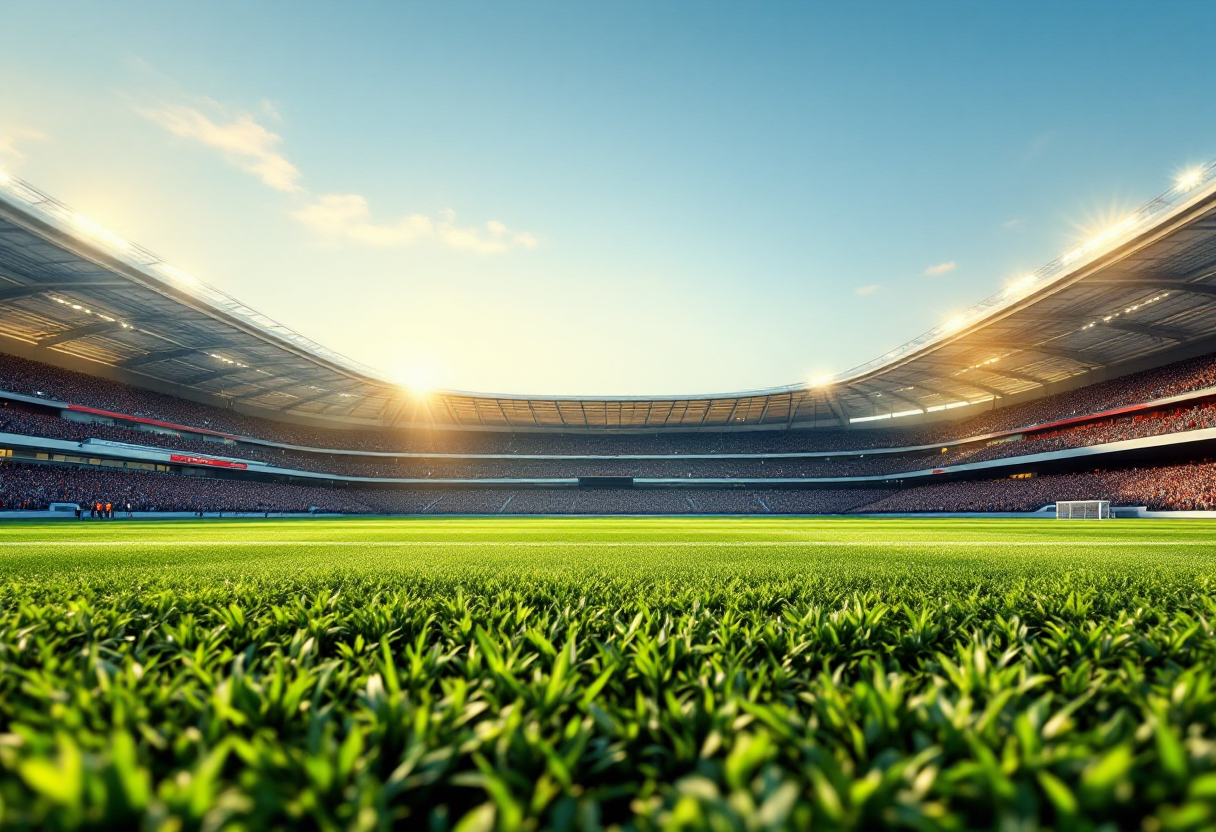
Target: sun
point(419, 377)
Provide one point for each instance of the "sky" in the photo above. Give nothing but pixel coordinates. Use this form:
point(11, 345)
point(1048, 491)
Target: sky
point(618, 198)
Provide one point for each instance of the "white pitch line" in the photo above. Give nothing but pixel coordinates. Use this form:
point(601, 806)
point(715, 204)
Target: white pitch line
point(607, 543)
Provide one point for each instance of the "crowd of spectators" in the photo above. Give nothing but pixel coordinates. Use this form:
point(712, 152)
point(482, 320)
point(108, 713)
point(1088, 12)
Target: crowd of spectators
point(1116, 429)
point(1167, 488)
point(1166, 420)
point(1135, 388)
point(34, 486)
point(1173, 487)
point(51, 383)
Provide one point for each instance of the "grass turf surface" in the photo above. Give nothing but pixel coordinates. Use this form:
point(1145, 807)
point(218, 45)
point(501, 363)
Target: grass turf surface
point(585, 673)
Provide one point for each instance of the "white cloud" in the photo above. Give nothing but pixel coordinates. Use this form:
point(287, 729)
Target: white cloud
point(242, 141)
point(1013, 223)
point(940, 268)
point(10, 140)
point(872, 289)
point(252, 148)
point(348, 216)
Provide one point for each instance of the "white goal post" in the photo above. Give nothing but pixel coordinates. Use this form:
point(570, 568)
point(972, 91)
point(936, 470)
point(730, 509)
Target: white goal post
point(1083, 510)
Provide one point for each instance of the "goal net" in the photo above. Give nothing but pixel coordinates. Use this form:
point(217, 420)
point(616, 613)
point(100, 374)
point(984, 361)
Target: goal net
point(1083, 510)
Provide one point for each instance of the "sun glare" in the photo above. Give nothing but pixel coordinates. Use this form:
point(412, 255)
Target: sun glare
point(955, 324)
point(1189, 179)
point(99, 233)
point(419, 378)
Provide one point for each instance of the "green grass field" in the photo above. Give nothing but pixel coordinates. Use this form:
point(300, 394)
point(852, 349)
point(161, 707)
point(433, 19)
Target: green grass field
point(723, 674)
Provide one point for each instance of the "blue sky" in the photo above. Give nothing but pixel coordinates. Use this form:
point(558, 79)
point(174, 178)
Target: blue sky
point(613, 198)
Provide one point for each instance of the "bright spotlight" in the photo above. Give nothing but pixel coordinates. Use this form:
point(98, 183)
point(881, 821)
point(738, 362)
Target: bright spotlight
point(954, 324)
point(1189, 179)
point(822, 380)
point(1020, 285)
point(418, 378)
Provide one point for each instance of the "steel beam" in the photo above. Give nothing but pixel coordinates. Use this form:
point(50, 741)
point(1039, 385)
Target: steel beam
point(1166, 284)
point(157, 356)
point(31, 289)
point(899, 396)
point(212, 376)
point(1075, 356)
point(78, 332)
point(1169, 333)
point(311, 399)
point(1013, 375)
point(836, 406)
point(992, 391)
point(945, 394)
point(393, 408)
point(274, 388)
point(1152, 330)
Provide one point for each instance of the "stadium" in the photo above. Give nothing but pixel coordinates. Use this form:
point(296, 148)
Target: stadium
point(127, 381)
point(248, 582)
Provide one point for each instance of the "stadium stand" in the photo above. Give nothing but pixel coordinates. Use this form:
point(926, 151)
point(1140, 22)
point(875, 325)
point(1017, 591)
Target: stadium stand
point(294, 426)
point(44, 381)
point(1175, 487)
point(28, 486)
point(1190, 487)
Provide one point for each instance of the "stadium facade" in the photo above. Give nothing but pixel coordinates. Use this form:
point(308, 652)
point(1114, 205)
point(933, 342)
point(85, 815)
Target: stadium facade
point(115, 362)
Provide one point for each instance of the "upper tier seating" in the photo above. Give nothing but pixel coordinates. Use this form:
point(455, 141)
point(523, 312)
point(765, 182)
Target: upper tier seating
point(42, 380)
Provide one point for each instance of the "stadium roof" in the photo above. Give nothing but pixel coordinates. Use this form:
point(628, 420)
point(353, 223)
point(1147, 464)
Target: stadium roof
point(1145, 286)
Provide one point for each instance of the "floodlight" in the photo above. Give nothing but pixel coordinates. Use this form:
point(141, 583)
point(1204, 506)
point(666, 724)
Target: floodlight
point(1189, 179)
point(1020, 285)
point(822, 380)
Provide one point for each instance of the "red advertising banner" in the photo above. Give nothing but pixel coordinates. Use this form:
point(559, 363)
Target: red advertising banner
point(202, 460)
point(129, 418)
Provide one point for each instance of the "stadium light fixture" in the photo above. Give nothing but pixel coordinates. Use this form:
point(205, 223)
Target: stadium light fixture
point(955, 324)
point(1101, 239)
point(1020, 285)
point(1189, 179)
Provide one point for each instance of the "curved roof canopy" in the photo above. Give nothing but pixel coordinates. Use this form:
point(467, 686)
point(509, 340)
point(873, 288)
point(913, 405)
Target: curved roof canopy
point(1144, 286)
